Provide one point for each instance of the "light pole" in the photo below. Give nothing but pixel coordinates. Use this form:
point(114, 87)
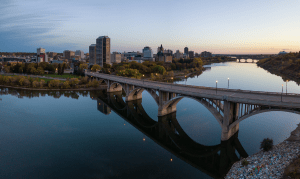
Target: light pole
point(286, 86)
point(172, 81)
point(217, 87)
point(281, 92)
point(143, 78)
point(228, 83)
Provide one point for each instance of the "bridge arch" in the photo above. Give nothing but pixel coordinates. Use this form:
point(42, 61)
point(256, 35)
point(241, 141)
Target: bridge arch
point(115, 86)
point(135, 94)
point(170, 107)
point(259, 112)
point(154, 95)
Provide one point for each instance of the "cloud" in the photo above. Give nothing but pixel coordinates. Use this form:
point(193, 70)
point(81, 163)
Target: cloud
point(22, 26)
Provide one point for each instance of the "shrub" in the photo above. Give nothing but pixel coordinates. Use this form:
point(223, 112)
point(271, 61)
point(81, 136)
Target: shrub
point(74, 81)
point(35, 84)
point(42, 82)
point(94, 83)
point(54, 83)
point(266, 144)
point(66, 85)
point(83, 80)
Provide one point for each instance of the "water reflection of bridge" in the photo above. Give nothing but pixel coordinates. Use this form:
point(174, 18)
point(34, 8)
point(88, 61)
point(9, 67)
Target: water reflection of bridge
point(167, 132)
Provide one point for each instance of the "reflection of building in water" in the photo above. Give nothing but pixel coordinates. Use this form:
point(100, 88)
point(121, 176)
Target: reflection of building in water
point(102, 107)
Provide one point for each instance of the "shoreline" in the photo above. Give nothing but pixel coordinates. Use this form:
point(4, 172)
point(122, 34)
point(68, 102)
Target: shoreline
point(44, 89)
point(270, 164)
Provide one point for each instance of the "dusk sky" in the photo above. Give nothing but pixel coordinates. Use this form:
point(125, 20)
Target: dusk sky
point(218, 26)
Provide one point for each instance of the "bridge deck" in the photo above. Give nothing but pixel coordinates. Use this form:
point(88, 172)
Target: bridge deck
point(242, 96)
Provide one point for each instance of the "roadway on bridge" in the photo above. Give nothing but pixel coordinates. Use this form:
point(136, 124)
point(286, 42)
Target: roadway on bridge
point(242, 96)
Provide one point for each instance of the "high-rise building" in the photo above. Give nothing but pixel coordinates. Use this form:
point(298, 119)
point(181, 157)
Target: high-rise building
point(69, 54)
point(103, 50)
point(186, 50)
point(92, 54)
point(147, 51)
point(115, 57)
point(191, 54)
point(80, 54)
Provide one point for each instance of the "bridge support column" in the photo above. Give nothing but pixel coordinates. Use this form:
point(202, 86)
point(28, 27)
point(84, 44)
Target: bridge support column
point(231, 112)
point(164, 97)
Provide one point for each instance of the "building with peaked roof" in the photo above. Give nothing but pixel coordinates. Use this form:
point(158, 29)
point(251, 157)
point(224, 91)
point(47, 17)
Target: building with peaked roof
point(161, 56)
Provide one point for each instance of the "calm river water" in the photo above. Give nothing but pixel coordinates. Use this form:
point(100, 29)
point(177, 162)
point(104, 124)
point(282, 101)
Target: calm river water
point(74, 135)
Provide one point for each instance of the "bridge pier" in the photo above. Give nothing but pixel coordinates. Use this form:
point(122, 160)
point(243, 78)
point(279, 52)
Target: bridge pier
point(165, 97)
point(113, 86)
point(231, 113)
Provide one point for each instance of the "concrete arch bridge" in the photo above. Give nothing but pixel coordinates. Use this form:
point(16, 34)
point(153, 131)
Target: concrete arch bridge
point(229, 106)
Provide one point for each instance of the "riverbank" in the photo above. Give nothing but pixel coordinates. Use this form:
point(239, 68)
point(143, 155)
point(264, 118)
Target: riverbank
point(286, 66)
point(54, 89)
point(276, 163)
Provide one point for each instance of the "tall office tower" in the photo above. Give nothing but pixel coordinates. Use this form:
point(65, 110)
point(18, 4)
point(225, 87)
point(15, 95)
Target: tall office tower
point(80, 54)
point(103, 50)
point(186, 50)
point(147, 51)
point(92, 54)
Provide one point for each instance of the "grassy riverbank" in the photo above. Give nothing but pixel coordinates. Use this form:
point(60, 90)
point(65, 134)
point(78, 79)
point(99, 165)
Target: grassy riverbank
point(287, 66)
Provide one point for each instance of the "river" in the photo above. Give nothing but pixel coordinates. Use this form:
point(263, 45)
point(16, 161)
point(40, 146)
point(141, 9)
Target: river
point(76, 135)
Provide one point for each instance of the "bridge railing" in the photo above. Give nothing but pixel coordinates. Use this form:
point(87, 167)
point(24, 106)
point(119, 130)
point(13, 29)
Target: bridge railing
point(198, 87)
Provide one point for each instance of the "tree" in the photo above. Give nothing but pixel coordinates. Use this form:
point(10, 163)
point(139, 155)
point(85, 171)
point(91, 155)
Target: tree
point(6, 69)
point(95, 67)
point(159, 69)
point(63, 68)
point(83, 66)
point(59, 69)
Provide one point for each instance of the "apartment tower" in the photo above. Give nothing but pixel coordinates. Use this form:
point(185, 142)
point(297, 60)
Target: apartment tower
point(103, 50)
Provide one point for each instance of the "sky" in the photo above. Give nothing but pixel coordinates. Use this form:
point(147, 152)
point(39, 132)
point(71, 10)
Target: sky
point(218, 26)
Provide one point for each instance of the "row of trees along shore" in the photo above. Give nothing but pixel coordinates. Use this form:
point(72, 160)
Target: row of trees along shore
point(34, 68)
point(29, 82)
point(287, 66)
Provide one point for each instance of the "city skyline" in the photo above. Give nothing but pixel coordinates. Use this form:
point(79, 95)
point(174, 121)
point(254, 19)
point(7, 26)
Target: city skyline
point(219, 27)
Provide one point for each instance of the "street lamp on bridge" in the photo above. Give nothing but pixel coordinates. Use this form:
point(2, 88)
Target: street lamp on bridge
point(217, 87)
point(286, 86)
point(228, 83)
point(281, 92)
